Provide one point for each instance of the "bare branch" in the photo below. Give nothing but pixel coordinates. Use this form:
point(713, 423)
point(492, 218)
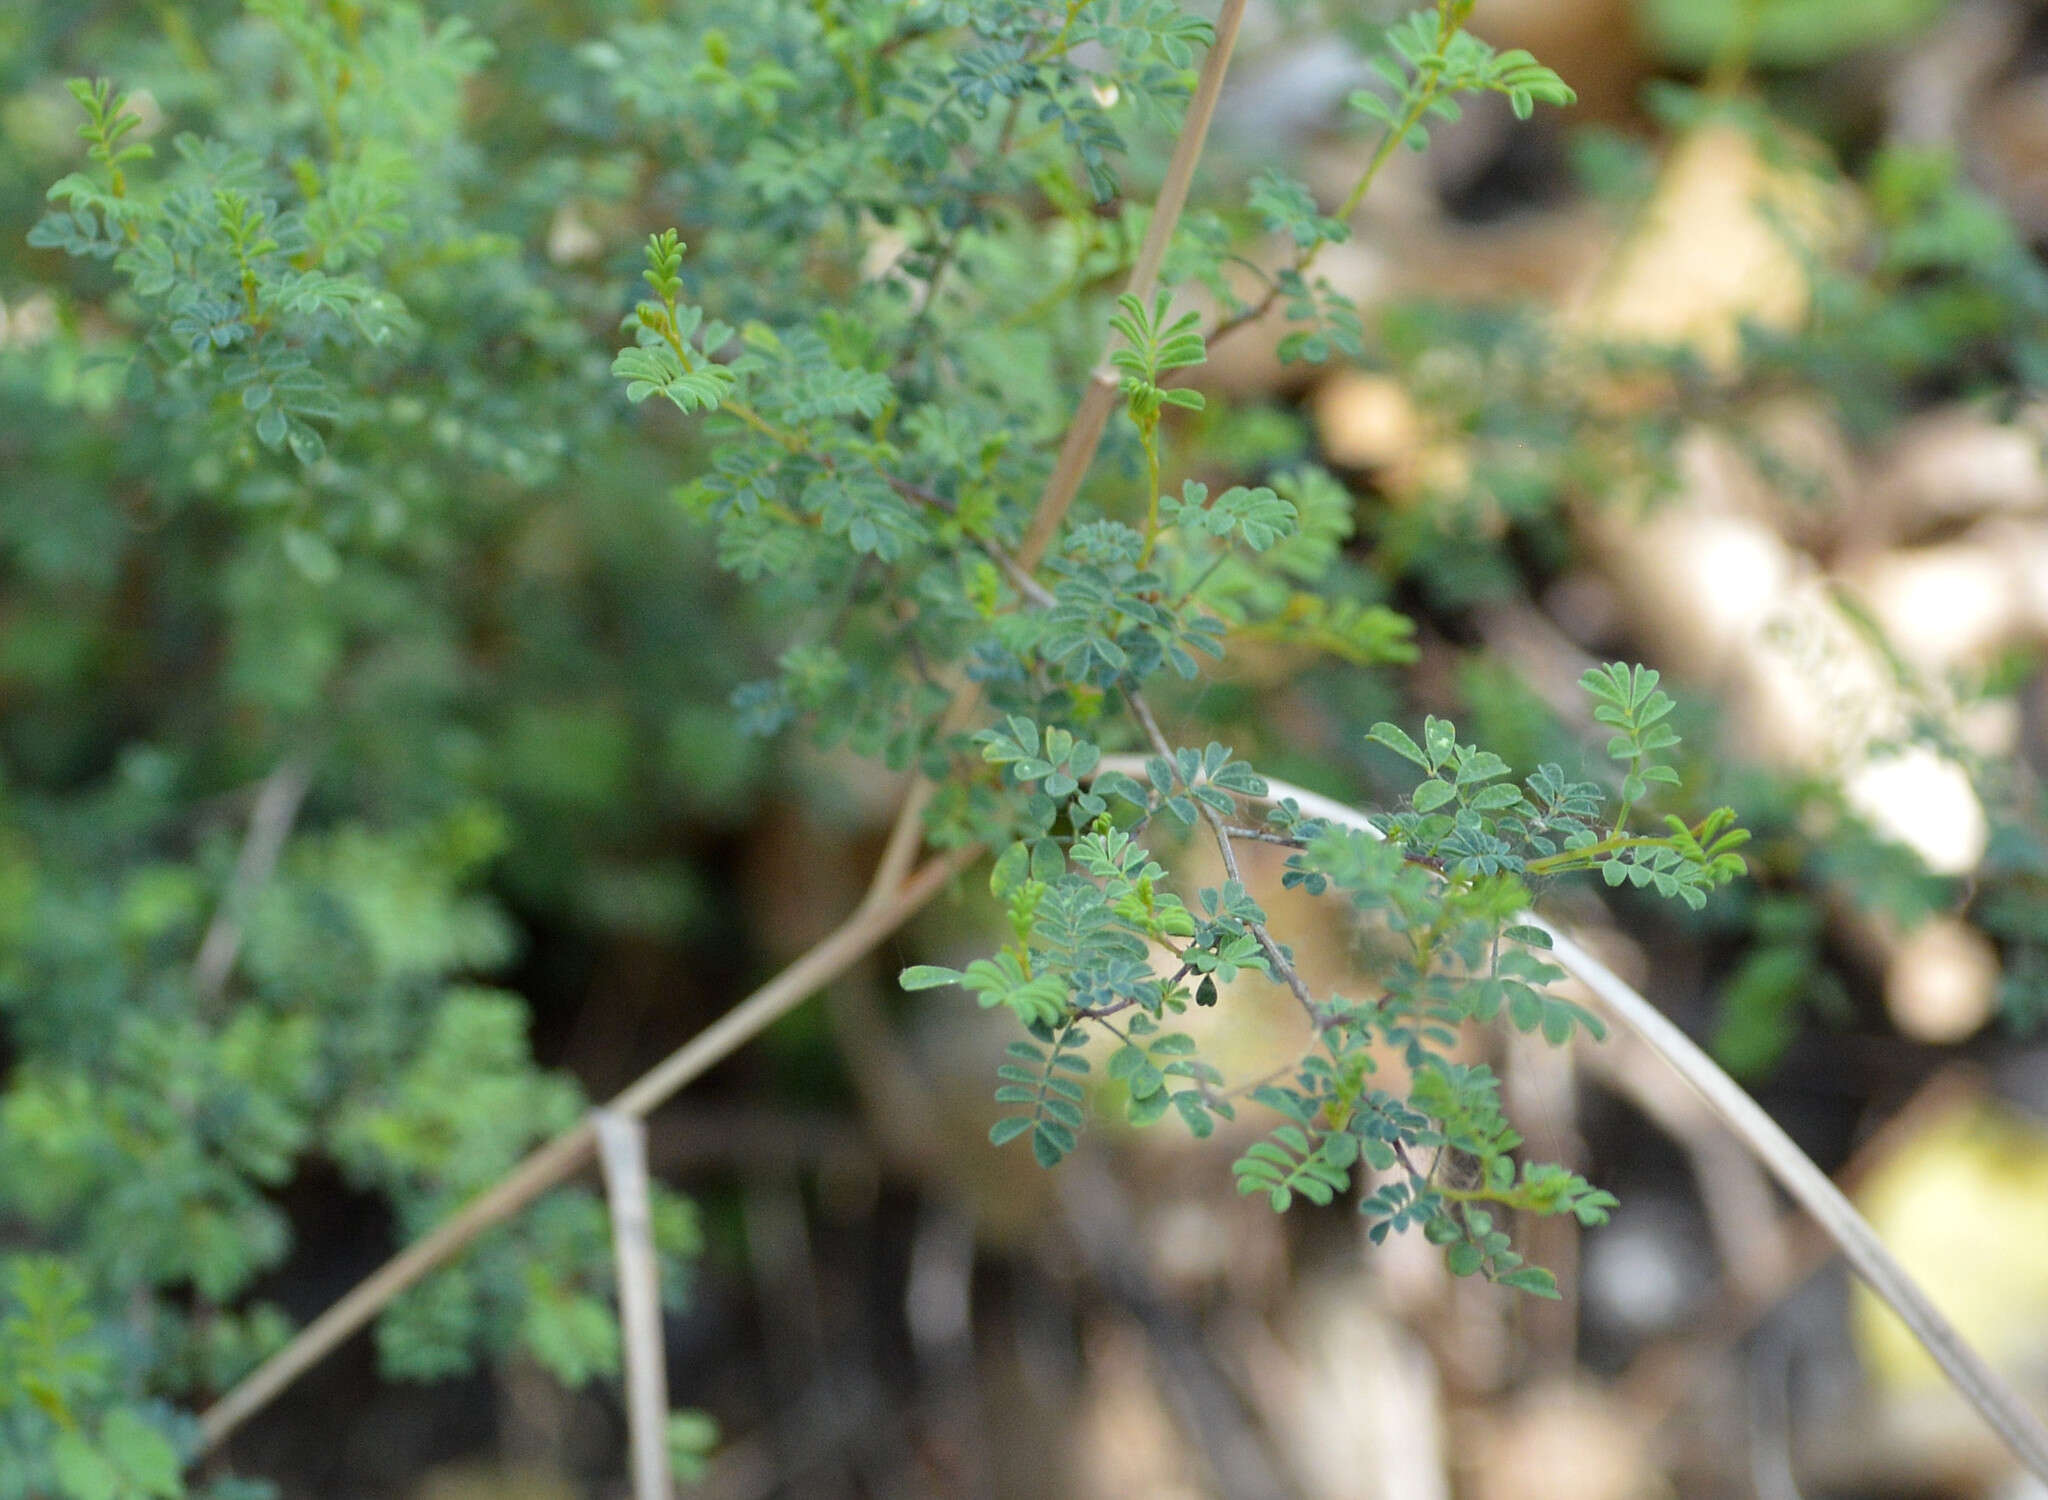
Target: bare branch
point(622, 1151)
point(569, 1152)
point(1084, 431)
point(270, 824)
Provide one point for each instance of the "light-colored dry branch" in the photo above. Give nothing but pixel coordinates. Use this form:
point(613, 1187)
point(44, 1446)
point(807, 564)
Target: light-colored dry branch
point(1982, 1386)
point(1754, 1249)
point(567, 1153)
point(1098, 401)
point(270, 823)
point(1084, 433)
point(622, 1153)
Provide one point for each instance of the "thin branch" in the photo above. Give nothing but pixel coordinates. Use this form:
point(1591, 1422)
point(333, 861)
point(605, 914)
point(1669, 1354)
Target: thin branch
point(1103, 1012)
point(622, 1151)
point(1084, 433)
point(1266, 836)
point(917, 494)
point(1308, 253)
point(1981, 1385)
point(270, 824)
point(1020, 579)
point(559, 1159)
point(1282, 968)
point(1091, 416)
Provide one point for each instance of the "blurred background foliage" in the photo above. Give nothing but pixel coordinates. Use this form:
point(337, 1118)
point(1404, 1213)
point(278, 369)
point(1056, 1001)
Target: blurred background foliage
point(372, 789)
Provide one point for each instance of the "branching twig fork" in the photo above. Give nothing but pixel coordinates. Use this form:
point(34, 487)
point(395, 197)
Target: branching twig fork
point(565, 1155)
point(1091, 416)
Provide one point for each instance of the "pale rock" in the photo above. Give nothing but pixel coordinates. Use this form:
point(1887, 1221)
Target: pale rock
point(1126, 1445)
point(1354, 1398)
point(1918, 798)
point(1959, 462)
point(1943, 606)
point(1565, 1441)
point(1942, 981)
point(28, 322)
point(1367, 421)
point(1724, 240)
point(570, 237)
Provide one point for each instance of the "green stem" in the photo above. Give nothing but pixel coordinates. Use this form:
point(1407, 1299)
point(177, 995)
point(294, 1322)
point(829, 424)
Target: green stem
point(740, 409)
point(1195, 587)
point(1518, 1201)
point(1731, 65)
point(1148, 434)
point(1302, 262)
point(1057, 46)
point(1586, 857)
point(1380, 158)
point(1628, 804)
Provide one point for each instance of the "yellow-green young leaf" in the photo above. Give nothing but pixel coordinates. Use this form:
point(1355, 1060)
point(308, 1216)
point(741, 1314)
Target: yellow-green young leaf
point(574, 1337)
point(691, 1437)
point(83, 1471)
point(1397, 739)
point(145, 1457)
point(1012, 869)
point(1433, 794)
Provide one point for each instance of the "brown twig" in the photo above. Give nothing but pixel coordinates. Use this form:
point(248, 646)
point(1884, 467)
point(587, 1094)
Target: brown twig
point(1098, 400)
point(560, 1159)
point(1084, 433)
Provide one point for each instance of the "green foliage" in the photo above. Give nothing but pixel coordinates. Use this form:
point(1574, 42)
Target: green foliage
point(1043, 1077)
point(1430, 59)
point(1445, 885)
point(316, 471)
point(328, 472)
point(1629, 701)
point(75, 1424)
point(1781, 33)
point(1950, 287)
point(691, 1437)
point(811, 483)
point(241, 268)
point(673, 357)
point(1285, 206)
point(1258, 517)
point(1152, 349)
